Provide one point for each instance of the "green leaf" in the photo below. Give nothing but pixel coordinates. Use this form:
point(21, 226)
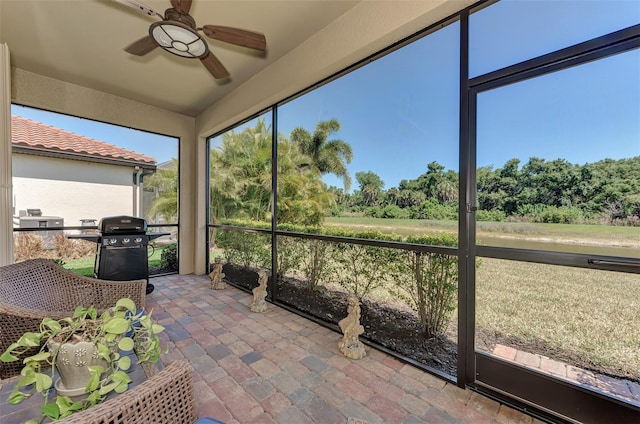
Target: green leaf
point(94, 381)
point(124, 363)
point(32, 422)
point(145, 321)
point(66, 406)
point(103, 351)
point(29, 378)
point(63, 402)
point(8, 357)
point(79, 312)
point(76, 406)
point(121, 377)
point(127, 304)
point(27, 370)
point(43, 382)
point(125, 343)
point(52, 324)
point(93, 398)
point(29, 339)
point(92, 312)
point(51, 410)
point(108, 388)
point(38, 357)
point(116, 326)
point(121, 388)
point(157, 328)
point(16, 397)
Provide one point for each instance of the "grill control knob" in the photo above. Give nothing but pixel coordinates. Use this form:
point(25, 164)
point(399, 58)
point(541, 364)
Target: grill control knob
point(113, 241)
point(138, 240)
point(126, 240)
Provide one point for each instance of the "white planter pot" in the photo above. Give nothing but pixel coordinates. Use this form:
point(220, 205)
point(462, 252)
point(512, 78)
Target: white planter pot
point(71, 363)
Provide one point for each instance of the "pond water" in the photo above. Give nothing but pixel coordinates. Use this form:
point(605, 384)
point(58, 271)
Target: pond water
point(626, 252)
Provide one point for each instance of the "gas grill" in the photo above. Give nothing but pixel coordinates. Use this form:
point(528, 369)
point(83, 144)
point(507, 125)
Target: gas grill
point(121, 253)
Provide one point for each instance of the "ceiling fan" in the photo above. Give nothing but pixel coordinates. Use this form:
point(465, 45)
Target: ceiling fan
point(177, 33)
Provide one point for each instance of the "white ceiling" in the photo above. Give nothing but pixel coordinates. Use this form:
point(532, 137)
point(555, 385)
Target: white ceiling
point(82, 41)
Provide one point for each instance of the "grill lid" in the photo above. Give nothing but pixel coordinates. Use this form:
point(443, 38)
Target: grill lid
point(122, 224)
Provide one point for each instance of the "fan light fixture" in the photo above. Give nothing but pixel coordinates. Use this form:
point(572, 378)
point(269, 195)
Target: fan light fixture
point(178, 34)
point(179, 39)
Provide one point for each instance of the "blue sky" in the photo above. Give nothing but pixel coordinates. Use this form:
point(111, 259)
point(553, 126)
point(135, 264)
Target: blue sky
point(401, 112)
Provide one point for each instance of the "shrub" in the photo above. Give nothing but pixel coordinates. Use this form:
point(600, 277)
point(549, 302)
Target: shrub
point(393, 211)
point(72, 249)
point(289, 254)
point(244, 248)
point(495, 215)
point(433, 209)
point(629, 221)
point(561, 215)
point(315, 261)
point(27, 246)
point(169, 257)
point(431, 283)
point(362, 269)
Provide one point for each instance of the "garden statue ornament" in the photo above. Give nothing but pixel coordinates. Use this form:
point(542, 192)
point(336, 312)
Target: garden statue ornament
point(217, 275)
point(259, 293)
point(350, 345)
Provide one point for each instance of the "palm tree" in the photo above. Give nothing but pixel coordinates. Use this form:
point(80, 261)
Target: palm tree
point(329, 156)
point(165, 183)
point(241, 174)
point(302, 196)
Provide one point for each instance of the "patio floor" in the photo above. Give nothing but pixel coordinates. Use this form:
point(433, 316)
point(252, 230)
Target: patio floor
point(277, 367)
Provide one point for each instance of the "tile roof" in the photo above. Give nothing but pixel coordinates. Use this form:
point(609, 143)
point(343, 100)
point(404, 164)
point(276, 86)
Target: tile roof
point(28, 133)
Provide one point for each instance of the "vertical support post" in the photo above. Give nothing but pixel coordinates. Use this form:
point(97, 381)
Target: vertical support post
point(6, 185)
point(466, 221)
point(274, 200)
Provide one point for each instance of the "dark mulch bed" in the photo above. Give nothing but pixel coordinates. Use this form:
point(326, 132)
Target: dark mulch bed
point(384, 325)
point(158, 270)
point(398, 330)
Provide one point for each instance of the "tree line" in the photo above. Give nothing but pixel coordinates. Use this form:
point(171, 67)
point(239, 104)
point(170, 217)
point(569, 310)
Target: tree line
point(556, 191)
point(605, 192)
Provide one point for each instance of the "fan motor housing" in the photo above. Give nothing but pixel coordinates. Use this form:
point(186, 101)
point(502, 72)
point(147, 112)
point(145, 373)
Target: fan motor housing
point(172, 14)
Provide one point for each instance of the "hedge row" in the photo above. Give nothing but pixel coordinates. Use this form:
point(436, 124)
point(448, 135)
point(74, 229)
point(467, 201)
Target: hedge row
point(425, 281)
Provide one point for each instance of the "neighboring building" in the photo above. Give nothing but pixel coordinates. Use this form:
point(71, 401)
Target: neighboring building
point(60, 174)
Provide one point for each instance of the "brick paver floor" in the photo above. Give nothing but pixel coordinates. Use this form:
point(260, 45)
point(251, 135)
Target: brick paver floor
point(626, 389)
point(277, 367)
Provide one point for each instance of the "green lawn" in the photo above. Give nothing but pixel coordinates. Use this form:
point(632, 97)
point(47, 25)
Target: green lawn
point(84, 266)
point(591, 315)
point(569, 233)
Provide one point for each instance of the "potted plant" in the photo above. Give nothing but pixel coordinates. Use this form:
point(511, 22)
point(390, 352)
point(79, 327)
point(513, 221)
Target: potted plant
point(88, 352)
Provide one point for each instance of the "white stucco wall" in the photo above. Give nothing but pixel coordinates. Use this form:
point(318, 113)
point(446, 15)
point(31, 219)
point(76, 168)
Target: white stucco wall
point(71, 189)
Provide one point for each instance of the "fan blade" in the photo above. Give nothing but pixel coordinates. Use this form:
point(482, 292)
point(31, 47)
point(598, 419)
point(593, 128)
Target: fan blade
point(237, 36)
point(142, 46)
point(135, 4)
point(182, 6)
point(214, 66)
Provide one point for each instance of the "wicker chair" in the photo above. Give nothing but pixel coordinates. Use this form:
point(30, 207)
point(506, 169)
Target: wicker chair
point(39, 288)
point(165, 398)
